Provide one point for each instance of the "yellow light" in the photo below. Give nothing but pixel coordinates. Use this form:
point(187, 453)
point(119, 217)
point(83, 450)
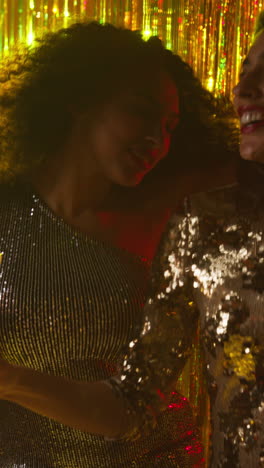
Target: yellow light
point(55, 10)
point(66, 13)
point(147, 33)
point(210, 84)
point(31, 5)
point(30, 38)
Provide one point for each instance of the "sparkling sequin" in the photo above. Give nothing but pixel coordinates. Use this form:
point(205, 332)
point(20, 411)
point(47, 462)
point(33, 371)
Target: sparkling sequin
point(169, 309)
point(211, 259)
point(68, 306)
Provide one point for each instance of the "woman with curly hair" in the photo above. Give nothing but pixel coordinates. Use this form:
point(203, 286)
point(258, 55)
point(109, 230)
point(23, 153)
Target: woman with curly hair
point(95, 126)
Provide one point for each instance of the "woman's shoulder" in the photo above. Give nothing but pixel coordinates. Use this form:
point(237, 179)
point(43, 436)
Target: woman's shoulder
point(218, 203)
point(221, 201)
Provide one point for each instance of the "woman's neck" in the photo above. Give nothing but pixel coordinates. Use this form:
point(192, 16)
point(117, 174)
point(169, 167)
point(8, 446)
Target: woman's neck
point(69, 191)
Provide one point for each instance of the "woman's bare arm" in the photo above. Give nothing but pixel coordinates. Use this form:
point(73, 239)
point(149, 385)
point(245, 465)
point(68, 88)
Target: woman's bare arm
point(88, 406)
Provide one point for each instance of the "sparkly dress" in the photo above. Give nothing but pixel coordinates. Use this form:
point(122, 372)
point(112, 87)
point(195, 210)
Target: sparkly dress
point(210, 263)
point(69, 304)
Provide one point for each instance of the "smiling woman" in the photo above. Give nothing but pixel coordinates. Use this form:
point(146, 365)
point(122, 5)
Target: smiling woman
point(87, 119)
point(131, 133)
point(249, 99)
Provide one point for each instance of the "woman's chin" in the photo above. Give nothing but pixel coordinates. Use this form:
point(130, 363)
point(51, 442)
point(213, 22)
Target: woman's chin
point(252, 152)
point(132, 181)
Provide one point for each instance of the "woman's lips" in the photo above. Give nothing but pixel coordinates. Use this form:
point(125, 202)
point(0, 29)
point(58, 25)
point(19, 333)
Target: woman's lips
point(139, 161)
point(250, 108)
point(252, 127)
point(251, 118)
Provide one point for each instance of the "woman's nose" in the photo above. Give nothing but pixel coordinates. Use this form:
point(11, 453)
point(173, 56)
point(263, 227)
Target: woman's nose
point(250, 85)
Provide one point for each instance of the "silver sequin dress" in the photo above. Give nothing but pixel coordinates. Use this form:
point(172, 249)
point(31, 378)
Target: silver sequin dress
point(210, 263)
point(69, 304)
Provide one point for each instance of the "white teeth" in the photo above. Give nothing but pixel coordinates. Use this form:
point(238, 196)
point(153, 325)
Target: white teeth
point(249, 117)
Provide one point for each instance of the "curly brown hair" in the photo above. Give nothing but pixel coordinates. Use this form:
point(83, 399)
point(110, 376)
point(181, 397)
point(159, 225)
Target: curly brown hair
point(82, 66)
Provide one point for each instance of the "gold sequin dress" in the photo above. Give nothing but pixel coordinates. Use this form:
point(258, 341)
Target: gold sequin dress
point(69, 304)
point(210, 263)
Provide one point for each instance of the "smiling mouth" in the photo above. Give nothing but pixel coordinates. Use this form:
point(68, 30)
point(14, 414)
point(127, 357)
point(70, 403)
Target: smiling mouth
point(140, 160)
point(251, 120)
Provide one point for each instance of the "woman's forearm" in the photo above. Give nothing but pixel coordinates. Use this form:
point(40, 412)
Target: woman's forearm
point(88, 406)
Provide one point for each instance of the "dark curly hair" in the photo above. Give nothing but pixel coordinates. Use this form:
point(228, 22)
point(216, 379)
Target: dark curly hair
point(82, 66)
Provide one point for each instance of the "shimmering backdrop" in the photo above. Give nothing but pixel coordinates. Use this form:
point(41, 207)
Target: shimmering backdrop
point(211, 35)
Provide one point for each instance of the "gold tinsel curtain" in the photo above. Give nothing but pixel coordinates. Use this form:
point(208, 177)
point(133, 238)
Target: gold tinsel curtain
point(211, 35)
